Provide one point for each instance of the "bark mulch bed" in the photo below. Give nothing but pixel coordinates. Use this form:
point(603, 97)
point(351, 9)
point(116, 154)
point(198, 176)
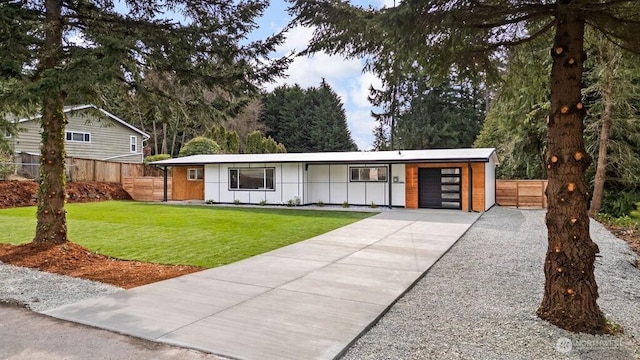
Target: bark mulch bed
point(74, 260)
point(16, 193)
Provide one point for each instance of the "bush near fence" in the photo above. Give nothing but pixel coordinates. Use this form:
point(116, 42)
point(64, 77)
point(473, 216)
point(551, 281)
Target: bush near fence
point(528, 194)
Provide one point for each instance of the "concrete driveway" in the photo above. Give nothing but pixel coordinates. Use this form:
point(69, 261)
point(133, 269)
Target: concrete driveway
point(309, 300)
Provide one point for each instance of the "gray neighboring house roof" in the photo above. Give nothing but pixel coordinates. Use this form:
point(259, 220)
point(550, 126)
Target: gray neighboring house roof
point(397, 156)
point(68, 109)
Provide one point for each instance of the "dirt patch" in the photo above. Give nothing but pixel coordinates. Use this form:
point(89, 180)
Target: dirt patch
point(17, 193)
point(629, 234)
point(74, 260)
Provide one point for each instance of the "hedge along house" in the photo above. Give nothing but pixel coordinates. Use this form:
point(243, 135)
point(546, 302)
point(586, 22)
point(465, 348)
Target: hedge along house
point(450, 179)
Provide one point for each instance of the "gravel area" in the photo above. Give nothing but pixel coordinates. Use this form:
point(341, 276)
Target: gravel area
point(479, 300)
point(41, 291)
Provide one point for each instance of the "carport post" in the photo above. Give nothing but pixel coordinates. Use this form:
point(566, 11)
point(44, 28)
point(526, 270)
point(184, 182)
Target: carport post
point(165, 176)
point(390, 180)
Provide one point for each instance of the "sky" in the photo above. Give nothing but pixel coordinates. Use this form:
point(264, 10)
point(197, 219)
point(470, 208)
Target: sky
point(344, 76)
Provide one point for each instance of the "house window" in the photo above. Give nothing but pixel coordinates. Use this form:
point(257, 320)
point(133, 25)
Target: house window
point(368, 174)
point(251, 179)
point(195, 174)
point(75, 136)
point(7, 134)
point(133, 141)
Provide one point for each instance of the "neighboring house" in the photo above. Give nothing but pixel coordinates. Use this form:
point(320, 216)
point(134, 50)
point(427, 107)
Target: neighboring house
point(91, 133)
point(452, 178)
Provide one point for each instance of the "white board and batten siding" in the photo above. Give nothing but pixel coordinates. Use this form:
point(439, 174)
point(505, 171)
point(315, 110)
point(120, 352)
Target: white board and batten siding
point(489, 184)
point(331, 184)
point(288, 184)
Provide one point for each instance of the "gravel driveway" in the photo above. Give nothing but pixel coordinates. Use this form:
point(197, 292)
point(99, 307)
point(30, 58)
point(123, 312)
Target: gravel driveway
point(479, 300)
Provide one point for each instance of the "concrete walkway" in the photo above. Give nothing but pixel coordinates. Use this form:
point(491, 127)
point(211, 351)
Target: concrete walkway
point(309, 300)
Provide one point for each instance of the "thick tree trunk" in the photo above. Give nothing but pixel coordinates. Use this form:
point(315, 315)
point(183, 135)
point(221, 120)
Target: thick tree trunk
point(601, 168)
point(570, 291)
point(52, 224)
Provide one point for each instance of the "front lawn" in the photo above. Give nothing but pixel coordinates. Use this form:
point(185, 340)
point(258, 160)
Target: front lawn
point(184, 235)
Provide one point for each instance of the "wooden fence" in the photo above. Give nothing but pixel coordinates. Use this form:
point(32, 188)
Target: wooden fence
point(147, 188)
point(521, 193)
point(88, 170)
point(107, 171)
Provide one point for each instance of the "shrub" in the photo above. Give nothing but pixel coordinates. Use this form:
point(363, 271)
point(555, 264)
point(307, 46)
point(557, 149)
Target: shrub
point(199, 146)
point(156, 157)
point(236, 201)
point(345, 204)
point(320, 203)
point(210, 201)
point(263, 202)
point(6, 165)
point(373, 205)
point(291, 202)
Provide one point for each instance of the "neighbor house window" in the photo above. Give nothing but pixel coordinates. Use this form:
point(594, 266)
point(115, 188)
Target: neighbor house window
point(195, 174)
point(368, 173)
point(133, 141)
point(7, 134)
point(251, 179)
point(76, 136)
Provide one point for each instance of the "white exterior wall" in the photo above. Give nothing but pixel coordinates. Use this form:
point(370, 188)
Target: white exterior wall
point(288, 184)
point(327, 183)
point(330, 184)
point(398, 188)
point(489, 184)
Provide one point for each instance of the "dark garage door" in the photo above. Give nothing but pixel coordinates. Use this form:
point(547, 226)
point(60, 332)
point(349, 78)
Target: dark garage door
point(439, 188)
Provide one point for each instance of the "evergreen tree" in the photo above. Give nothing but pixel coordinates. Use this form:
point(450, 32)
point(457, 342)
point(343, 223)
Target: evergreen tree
point(307, 120)
point(467, 36)
point(62, 49)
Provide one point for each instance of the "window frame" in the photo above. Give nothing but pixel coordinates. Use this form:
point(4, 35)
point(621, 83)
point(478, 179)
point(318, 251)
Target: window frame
point(196, 172)
point(360, 171)
point(70, 133)
point(264, 178)
point(133, 144)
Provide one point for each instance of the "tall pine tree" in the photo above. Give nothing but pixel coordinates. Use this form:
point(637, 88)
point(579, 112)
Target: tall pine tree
point(467, 37)
point(57, 50)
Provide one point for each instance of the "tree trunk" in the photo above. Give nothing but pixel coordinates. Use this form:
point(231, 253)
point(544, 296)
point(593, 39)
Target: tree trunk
point(601, 168)
point(164, 138)
point(52, 224)
point(570, 291)
point(155, 138)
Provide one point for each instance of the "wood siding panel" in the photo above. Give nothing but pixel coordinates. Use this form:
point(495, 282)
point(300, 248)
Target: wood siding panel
point(411, 186)
point(109, 139)
point(521, 193)
point(184, 189)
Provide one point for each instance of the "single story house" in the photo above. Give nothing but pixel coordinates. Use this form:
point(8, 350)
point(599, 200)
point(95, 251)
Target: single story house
point(91, 133)
point(443, 178)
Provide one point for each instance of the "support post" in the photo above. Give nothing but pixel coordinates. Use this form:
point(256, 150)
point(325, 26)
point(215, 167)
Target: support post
point(165, 181)
point(390, 180)
point(470, 187)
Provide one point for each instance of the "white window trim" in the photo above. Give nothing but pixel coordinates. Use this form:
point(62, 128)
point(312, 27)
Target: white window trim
point(368, 167)
point(264, 179)
point(77, 132)
point(133, 144)
point(195, 171)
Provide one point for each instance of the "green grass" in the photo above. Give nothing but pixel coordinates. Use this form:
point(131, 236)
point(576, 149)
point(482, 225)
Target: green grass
point(184, 235)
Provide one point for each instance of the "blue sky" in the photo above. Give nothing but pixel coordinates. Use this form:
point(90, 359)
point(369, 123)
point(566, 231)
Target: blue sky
point(344, 76)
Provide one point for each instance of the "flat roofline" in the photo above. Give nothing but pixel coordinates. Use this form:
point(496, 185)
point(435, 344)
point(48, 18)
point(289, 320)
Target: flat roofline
point(337, 162)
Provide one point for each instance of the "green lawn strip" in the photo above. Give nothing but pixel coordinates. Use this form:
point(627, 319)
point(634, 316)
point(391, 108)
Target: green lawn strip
point(185, 235)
